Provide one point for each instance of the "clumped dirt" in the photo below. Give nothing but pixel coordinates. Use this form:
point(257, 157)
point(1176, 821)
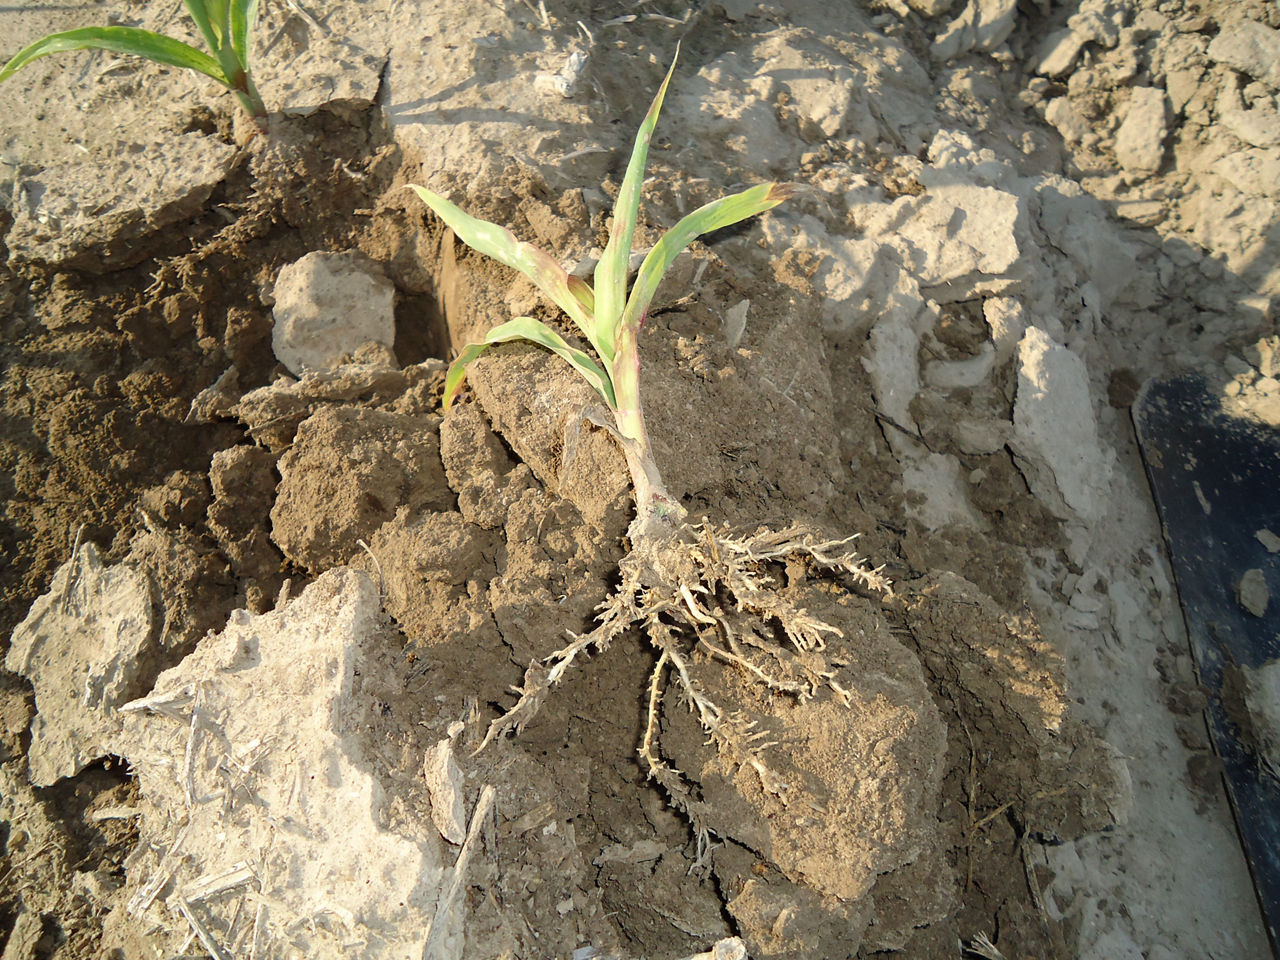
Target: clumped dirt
point(488, 546)
point(101, 369)
point(142, 411)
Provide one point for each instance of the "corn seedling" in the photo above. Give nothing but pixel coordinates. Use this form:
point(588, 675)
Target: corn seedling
point(224, 24)
point(690, 587)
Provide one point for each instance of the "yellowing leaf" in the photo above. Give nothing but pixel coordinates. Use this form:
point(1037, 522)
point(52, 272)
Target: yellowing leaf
point(713, 216)
point(534, 262)
point(527, 328)
point(611, 271)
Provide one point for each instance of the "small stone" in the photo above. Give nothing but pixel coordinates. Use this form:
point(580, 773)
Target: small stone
point(1070, 123)
point(1251, 48)
point(444, 783)
point(327, 306)
point(935, 491)
point(1146, 213)
point(983, 25)
point(1006, 319)
point(1055, 438)
point(1149, 23)
point(1268, 540)
point(1140, 140)
point(1096, 26)
point(962, 236)
point(1057, 53)
point(1252, 592)
point(565, 82)
point(824, 100)
point(1240, 368)
point(735, 322)
point(1268, 349)
point(892, 364)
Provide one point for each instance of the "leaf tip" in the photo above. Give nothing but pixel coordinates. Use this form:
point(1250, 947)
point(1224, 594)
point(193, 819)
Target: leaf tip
point(782, 192)
point(453, 380)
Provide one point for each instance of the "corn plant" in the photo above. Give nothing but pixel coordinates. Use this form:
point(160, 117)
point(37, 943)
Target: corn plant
point(688, 586)
point(224, 24)
point(607, 316)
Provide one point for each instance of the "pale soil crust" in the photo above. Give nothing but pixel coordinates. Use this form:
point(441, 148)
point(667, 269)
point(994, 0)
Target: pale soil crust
point(922, 808)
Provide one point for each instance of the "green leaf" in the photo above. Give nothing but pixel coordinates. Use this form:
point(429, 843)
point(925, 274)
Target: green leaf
point(535, 263)
point(713, 216)
point(244, 13)
point(128, 40)
point(611, 271)
point(526, 328)
point(207, 21)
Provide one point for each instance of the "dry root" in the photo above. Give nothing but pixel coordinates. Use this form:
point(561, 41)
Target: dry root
point(698, 590)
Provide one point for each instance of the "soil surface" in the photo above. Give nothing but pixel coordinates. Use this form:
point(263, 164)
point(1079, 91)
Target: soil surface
point(246, 603)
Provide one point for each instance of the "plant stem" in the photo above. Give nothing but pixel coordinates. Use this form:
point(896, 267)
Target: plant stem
point(247, 91)
point(240, 82)
point(657, 513)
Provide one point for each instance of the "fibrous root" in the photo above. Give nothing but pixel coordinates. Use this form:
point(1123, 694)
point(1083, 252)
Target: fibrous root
point(701, 591)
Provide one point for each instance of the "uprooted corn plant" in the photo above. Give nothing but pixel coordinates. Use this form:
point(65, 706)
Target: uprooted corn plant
point(691, 587)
